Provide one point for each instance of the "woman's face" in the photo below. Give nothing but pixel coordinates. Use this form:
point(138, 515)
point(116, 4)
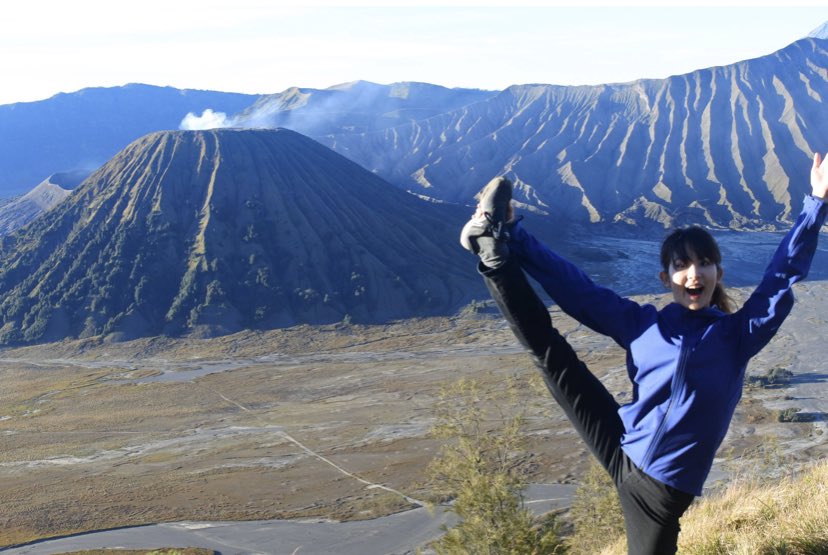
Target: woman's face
point(692, 281)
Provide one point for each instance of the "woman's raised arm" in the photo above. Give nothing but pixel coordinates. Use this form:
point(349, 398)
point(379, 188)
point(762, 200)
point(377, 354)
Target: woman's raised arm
point(773, 299)
point(598, 308)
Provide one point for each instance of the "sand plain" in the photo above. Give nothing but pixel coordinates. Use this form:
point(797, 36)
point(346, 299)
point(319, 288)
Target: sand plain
point(284, 424)
point(307, 422)
point(326, 422)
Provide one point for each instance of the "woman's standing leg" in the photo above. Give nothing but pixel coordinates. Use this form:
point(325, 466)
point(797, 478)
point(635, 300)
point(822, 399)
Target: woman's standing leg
point(651, 513)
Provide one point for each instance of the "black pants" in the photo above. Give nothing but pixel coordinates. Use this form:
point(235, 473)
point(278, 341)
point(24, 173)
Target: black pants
point(651, 509)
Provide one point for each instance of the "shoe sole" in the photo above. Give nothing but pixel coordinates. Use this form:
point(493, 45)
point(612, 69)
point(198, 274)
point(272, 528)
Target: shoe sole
point(494, 199)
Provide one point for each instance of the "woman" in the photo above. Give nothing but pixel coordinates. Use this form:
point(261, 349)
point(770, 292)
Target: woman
point(686, 361)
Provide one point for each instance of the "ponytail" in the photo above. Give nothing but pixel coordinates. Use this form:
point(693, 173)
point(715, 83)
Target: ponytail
point(722, 300)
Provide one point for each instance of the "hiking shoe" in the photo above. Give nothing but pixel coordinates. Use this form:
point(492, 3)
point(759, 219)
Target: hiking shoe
point(487, 234)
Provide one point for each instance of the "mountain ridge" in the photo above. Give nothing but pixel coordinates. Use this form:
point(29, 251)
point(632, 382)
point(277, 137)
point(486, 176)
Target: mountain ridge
point(723, 146)
point(84, 129)
point(728, 146)
point(356, 106)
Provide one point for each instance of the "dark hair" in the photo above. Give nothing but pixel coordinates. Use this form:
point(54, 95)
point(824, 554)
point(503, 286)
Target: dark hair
point(698, 240)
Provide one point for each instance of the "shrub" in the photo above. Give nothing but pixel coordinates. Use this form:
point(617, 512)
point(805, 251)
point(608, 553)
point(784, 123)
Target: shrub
point(774, 378)
point(792, 414)
point(481, 470)
point(595, 513)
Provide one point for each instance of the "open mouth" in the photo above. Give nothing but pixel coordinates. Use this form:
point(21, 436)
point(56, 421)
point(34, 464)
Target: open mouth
point(694, 292)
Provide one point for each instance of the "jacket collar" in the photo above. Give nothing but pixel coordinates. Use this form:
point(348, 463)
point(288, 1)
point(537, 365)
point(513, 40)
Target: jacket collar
point(681, 320)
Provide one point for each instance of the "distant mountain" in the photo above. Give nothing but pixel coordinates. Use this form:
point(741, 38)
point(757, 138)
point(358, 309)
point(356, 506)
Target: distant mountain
point(86, 128)
point(69, 179)
point(820, 32)
point(44, 197)
point(214, 231)
point(727, 146)
point(355, 107)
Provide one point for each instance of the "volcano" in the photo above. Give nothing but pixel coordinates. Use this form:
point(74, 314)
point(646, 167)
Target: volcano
point(211, 232)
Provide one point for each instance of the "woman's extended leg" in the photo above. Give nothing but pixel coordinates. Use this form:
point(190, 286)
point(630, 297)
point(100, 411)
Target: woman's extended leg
point(584, 399)
point(651, 509)
point(591, 408)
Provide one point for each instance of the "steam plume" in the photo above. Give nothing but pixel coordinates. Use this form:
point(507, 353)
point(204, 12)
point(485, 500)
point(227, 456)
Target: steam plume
point(207, 120)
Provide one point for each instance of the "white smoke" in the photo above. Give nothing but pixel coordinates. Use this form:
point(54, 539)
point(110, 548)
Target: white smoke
point(207, 120)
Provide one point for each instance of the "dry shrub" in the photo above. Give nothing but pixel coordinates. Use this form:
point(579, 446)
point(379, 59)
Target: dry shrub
point(595, 513)
point(482, 470)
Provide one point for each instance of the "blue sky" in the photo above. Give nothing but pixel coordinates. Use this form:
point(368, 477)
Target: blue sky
point(255, 46)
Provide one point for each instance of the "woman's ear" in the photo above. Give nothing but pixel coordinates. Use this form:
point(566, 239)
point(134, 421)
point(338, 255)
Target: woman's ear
point(665, 279)
point(721, 273)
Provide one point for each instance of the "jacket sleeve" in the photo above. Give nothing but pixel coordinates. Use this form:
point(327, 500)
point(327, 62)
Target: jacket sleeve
point(598, 308)
point(768, 306)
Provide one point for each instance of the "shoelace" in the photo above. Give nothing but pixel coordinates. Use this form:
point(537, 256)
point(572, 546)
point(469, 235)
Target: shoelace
point(499, 230)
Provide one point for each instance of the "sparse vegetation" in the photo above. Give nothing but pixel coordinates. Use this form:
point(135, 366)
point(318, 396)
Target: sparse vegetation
point(138, 492)
point(774, 378)
point(482, 472)
point(792, 414)
point(595, 513)
point(477, 307)
point(767, 459)
point(784, 516)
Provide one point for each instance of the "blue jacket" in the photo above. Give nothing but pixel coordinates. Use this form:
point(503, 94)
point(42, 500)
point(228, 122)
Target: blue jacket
point(687, 367)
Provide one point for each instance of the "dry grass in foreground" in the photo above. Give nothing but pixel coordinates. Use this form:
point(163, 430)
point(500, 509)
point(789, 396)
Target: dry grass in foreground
point(789, 516)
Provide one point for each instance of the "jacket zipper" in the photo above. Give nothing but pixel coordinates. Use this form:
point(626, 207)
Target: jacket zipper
point(678, 378)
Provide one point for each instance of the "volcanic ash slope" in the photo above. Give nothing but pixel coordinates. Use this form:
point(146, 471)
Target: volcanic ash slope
point(210, 232)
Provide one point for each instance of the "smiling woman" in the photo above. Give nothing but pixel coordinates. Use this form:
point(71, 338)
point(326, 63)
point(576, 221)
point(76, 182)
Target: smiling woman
point(686, 361)
point(692, 269)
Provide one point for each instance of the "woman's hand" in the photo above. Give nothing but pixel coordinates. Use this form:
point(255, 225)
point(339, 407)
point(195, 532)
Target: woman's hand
point(819, 177)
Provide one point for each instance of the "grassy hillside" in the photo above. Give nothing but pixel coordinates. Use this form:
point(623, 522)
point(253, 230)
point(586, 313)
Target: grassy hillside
point(787, 516)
